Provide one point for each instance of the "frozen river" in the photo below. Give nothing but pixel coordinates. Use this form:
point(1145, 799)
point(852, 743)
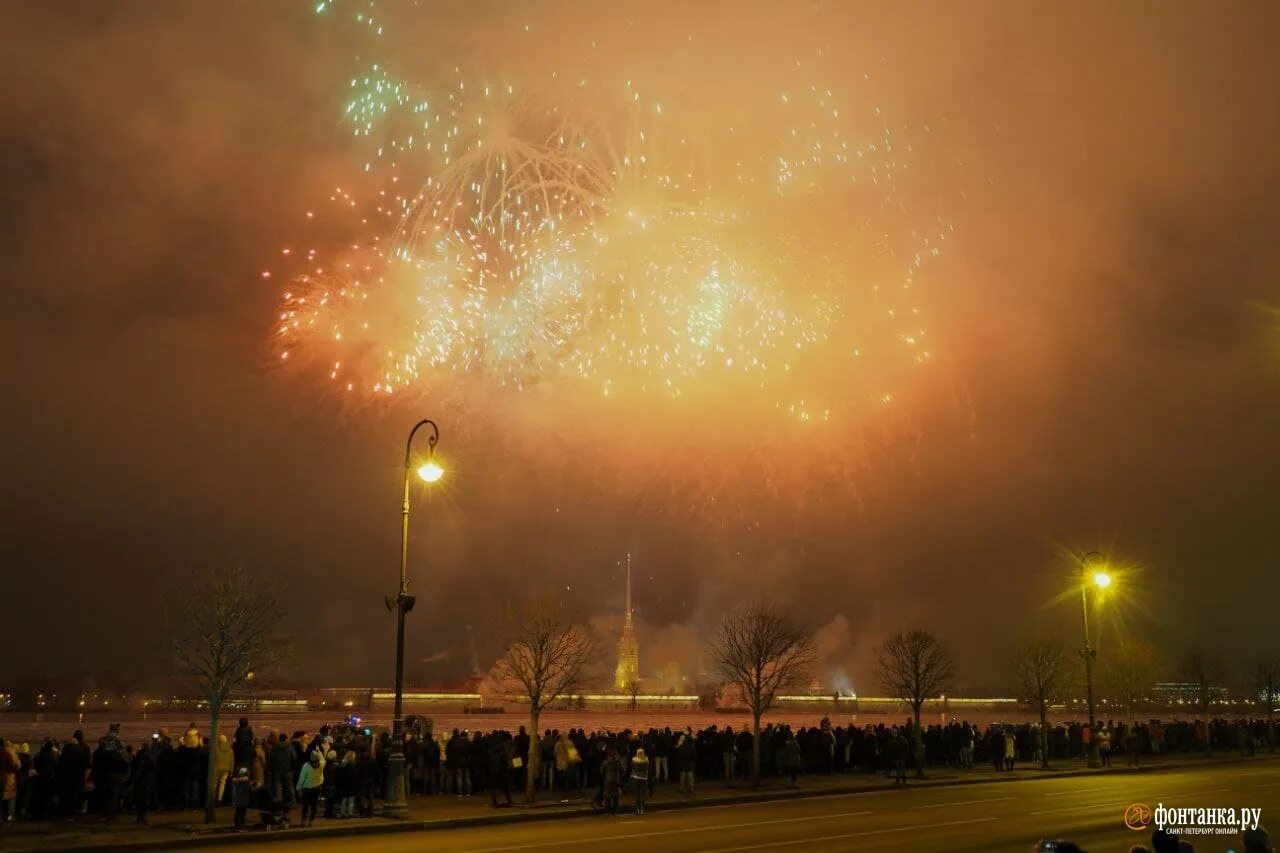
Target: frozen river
point(31, 728)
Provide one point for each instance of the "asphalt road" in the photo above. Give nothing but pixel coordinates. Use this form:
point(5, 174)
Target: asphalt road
point(992, 817)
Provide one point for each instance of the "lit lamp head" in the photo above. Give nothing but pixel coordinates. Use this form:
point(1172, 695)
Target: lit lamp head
point(430, 471)
point(1095, 570)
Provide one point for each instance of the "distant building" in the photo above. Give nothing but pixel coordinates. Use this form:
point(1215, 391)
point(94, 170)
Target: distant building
point(1184, 692)
point(628, 672)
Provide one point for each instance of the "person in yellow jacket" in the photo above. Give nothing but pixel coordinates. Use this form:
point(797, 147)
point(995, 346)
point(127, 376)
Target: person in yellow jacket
point(9, 767)
point(565, 752)
point(224, 760)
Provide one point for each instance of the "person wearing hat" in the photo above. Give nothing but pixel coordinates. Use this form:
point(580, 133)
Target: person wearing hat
point(331, 797)
point(241, 796)
point(310, 781)
point(73, 765)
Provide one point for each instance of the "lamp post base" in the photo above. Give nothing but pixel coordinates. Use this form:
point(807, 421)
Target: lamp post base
point(395, 805)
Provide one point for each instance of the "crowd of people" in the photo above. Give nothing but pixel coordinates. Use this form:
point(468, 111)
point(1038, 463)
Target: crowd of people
point(1004, 746)
point(340, 771)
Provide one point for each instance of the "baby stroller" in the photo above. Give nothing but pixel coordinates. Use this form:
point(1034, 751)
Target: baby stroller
point(274, 809)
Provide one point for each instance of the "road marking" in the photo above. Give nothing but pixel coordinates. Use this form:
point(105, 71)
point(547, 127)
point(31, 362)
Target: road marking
point(842, 836)
point(843, 795)
point(682, 831)
point(1085, 806)
point(962, 803)
point(1075, 793)
point(792, 800)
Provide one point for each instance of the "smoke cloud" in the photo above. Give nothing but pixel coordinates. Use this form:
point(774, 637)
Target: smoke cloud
point(1103, 370)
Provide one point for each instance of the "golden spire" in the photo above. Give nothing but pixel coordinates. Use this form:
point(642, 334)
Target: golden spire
point(627, 675)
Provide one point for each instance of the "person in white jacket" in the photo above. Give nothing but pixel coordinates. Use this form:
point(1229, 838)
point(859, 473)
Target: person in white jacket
point(310, 783)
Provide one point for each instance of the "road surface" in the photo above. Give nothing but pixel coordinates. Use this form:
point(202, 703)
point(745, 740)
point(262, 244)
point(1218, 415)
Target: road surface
point(989, 818)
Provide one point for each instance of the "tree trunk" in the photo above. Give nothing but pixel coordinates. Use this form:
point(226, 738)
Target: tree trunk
point(211, 774)
point(1044, 737)
point(917, 738)
point(1271, 731)
point(532, 759)
point(755, 748)
point(1208, 729)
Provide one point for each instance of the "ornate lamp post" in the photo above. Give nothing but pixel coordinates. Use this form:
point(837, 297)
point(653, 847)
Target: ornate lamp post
point(1098, 580)
point(396, 803)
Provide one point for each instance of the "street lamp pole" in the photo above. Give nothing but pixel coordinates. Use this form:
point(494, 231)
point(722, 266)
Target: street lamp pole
point(1089, 653)
point(396, 803)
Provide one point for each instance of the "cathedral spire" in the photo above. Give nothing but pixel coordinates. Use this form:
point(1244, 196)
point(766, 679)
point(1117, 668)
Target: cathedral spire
point(627, 677)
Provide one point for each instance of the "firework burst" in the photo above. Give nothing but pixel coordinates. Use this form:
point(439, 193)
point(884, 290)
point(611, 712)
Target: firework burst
point(588, 240)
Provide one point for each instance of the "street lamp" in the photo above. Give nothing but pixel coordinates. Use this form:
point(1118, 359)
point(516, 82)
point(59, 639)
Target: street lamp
point(1099, 580)
point(396, 804)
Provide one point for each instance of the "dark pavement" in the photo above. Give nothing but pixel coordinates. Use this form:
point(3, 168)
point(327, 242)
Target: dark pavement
point(1002, 816)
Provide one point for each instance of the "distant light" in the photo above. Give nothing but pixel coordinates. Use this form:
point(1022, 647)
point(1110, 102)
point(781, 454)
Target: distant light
point(1101, 580)
point(430, 472)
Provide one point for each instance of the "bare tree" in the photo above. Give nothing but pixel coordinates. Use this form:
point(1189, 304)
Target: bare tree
point(1129, 672)
point(759, 651)
point(633, 690)
point(1266, 680)
point(544, 658)
point(1042, 672)
point(914, 666)
point(227, 629)
point(708, 696)
point(1206, 674)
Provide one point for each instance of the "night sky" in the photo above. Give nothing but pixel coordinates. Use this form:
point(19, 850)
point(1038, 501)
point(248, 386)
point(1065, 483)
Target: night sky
point(1105, 368)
